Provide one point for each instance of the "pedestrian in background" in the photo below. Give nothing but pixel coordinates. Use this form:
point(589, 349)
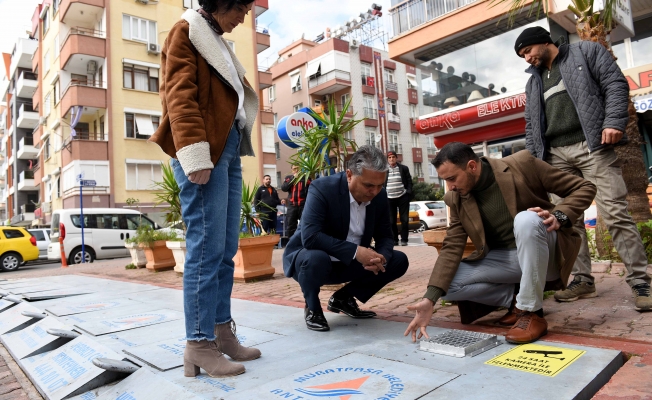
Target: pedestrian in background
point(399, 192)
point(209, 110)
point(296, 199)
point(576, 112)
point(265, 200)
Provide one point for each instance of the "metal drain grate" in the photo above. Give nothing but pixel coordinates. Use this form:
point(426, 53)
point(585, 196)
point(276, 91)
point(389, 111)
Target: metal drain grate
point(459, 343)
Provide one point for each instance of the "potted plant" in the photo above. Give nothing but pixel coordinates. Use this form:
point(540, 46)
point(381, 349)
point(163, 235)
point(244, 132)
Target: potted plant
point(137, 253)
point(168, 193)
point(253, 261)
point(158, 256)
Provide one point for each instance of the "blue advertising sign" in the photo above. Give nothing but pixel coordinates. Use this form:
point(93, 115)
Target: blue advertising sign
point(290, 128)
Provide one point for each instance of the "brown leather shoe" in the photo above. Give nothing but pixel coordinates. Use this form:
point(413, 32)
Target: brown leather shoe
point(204, 354)
point(228, 343)
point(511, 317)
point(529, 328)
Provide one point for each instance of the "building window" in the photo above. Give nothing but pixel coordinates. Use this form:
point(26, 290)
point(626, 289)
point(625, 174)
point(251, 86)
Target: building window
point(140, 126)
point(297, 107)
point(272, 93)
point(418, 171)
point(46, 22)
point(388, 74)
point(393, 142)
point(141, 176)
point(57, 91)
point(47, 106)
point(46, 62)
point(140, 78)
point(55, 7)
point(277, 150)
point(413, 111)
point(415, 140)
point(411, 81)
point(48, 191)
point(370, 138)
point(348, 135)
point(369, 109)
point(365, 71)
point(295, 82)
point(46, 148)
point(279, 179)
point(391, 106)
point(275, 120)
point(432, 171)
point(345, 98)
point(142, 30)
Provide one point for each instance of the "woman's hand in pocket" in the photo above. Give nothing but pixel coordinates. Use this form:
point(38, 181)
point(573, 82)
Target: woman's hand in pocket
point(200, 177)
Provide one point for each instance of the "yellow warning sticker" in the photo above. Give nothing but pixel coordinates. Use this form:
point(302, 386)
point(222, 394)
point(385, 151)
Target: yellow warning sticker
point(537, 359)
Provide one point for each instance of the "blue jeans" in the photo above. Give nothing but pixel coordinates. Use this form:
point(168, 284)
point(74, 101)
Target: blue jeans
point(211, 213)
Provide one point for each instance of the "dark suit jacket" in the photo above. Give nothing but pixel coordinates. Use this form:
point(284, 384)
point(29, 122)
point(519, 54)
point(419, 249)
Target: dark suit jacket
point(525, 182)
point(325, 223)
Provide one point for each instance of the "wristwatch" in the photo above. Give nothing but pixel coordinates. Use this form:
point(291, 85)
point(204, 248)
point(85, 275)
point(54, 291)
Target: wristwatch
point(563, 219)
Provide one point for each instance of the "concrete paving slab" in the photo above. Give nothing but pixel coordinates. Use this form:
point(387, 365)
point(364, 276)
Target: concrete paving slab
point(55, 294)
point(89, 306)
point(124, 340)
point(145, 385)
point(38, 288)
point(127, 322)
point(168, 354)
point(103, 315)
point(34, 339)
point(5, 304)
point(12, 318)
point(69, 370)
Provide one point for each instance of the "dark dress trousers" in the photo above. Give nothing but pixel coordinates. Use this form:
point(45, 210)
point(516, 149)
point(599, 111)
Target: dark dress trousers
point(322, 233)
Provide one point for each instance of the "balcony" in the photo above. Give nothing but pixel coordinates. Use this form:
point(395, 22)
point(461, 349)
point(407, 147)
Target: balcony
point(349, 111)
point(87, 146)
point(370, 113)
point(395, 118)
point(264, 78)
point(267, 116)
point(26, 85)
point(414, 13)
point(27, 117)
point(25, 217)
point(262, 39)
point(82, 41)
point(331, 82)
point(26, 181)
point(83, 93)
point(22, 55)
point(391, 86)
point(26, 149)
point(260, 7)
point(91, 10)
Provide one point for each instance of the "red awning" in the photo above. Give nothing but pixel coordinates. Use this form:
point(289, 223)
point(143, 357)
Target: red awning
point(497, 131)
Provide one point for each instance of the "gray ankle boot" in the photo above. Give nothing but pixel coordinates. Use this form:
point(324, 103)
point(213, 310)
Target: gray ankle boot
point(227, 343)
point(204, 354)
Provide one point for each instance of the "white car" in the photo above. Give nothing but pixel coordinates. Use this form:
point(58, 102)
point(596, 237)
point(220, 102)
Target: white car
point(432, 214)
point(42, 236)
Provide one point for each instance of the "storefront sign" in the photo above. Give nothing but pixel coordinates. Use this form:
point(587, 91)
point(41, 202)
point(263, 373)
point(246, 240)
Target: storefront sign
point(639, 79)
point(471, 114)
point(537, 359)
point(643, 104)
point(290, 129)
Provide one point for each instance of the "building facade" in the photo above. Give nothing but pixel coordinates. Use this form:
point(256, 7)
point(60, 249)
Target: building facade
point(384, 92)
point(96, 66)
point(471, 76)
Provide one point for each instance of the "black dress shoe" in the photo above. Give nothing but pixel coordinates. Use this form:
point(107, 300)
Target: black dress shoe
point(348, 307)
point(315, 320)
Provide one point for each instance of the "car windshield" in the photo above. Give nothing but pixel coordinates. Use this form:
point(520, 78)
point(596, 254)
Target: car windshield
point(435, 205)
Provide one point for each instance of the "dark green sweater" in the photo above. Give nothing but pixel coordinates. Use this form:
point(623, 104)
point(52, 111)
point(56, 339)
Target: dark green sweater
point(497, 222)
point(564, 126)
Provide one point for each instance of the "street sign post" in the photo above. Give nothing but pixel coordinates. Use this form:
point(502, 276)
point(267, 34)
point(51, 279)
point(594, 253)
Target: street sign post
point(82, 183)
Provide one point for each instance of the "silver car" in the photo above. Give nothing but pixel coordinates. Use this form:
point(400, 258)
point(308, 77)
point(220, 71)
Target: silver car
point(42, 236)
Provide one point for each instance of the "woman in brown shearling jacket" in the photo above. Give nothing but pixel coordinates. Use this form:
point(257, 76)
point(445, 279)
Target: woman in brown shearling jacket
point(208, 113)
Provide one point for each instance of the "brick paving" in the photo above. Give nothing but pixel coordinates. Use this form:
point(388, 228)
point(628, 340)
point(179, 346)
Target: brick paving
point(14, 385)
point(608, 320)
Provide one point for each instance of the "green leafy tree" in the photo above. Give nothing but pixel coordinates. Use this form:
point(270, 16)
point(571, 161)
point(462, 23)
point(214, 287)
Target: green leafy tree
point(426, 191)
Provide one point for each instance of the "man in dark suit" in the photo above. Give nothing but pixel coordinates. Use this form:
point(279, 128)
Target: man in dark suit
point(343, 213)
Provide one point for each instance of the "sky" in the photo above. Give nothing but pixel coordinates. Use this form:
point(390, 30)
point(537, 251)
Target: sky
point(286, 20)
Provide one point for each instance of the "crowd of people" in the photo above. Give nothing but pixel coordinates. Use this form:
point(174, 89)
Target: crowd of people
point(523, 213)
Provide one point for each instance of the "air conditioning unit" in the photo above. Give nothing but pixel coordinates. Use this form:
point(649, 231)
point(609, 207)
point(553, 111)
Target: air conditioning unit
point(153, 48)
point(142, 1)
point(91, 67)
point(43, 121)
point(354, 43)
point(327, 97)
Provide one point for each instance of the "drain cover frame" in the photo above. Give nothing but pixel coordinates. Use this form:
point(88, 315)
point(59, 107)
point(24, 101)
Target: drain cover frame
point(459, 343)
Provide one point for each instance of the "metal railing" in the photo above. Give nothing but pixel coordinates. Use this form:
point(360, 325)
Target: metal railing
point(398, 148)
point(393, 117)
point(81, 82)
point(340, 107)
point(78, 30)
point(263, 30)
point(370, 113)
point(97, 136)
point(412, 13)
point(391, 86)
point(329, 76)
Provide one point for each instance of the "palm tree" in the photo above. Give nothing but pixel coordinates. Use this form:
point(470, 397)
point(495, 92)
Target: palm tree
point(595, 26)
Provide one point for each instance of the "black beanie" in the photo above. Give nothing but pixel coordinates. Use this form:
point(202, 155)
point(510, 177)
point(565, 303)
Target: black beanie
point(534, 35)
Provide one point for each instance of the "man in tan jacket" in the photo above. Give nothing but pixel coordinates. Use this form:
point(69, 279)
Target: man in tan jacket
point(520, 237)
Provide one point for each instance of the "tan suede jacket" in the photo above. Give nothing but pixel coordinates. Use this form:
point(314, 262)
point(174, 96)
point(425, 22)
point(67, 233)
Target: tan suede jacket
point(199, 102)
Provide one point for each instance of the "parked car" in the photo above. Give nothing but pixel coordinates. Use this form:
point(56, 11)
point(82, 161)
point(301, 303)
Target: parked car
point(42, 236)
point(413, 221)
point(17, 246)
point(105, 231)
point(432, 214)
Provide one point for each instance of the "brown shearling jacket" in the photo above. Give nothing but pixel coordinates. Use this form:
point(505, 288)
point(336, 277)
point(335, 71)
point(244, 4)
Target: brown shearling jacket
point(525, 182)
point(198, 98)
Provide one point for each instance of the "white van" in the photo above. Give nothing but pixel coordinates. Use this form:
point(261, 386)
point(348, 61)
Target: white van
point(105, 231)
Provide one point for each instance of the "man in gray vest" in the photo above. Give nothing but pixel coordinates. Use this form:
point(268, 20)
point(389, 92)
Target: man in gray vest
point(576, 112)
point(399, 193)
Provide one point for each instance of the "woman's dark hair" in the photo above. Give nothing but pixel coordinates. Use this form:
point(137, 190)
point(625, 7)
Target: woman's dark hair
point(456, 153)
point(211, 6)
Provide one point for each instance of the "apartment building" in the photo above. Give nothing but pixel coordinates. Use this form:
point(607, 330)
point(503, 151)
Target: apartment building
point(473, 80)
point(386, 93)
point(96, 65)
point(18, 190)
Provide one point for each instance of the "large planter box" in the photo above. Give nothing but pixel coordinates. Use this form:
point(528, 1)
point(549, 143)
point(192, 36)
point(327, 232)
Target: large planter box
point(179, 252)
point(159, 257)
point(137, 255)
point(435, 238)
point(253, 261)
